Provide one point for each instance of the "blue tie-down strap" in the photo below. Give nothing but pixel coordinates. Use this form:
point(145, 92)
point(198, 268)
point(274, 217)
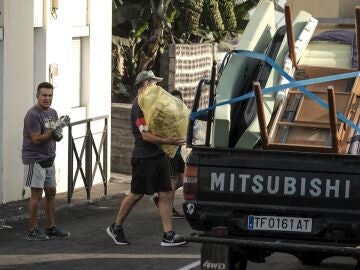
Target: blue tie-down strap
point(293, 84)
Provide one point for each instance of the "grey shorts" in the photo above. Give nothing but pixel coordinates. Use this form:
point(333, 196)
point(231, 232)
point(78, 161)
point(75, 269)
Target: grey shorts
point(38, 177)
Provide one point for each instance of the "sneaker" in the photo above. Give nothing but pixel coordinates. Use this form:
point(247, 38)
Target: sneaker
point(170, 240)
point(156, 201)
point(36, 235)
point(117, 234)
point(176, 214)
point(55, 232)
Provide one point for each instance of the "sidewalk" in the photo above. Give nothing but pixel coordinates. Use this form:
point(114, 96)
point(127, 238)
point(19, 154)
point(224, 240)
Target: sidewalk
point(118, 184)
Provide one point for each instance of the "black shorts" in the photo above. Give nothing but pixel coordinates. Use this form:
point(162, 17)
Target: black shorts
point(150, 175)
point(177, 165)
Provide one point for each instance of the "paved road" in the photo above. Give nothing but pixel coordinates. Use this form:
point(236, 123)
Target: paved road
point(90, 248)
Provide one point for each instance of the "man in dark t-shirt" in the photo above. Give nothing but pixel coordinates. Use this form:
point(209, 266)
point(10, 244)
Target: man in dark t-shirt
point(42, 129)
point(150, 171)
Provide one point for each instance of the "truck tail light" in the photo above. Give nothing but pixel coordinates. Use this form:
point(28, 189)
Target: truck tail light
point(190, 183)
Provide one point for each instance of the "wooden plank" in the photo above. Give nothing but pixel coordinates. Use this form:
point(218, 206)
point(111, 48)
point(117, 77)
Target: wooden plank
point(320, 71)
point(309, 125)
point(303, 135)
point(261, 114)
point(357, 25)
point(310, 111)
point(332, 119)
point(356, 86)
point(298, 147)
point(349, 132)
point(310, 72)
point(290, 34)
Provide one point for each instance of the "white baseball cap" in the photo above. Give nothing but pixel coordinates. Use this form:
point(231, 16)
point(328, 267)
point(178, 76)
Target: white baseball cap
point(147, 75)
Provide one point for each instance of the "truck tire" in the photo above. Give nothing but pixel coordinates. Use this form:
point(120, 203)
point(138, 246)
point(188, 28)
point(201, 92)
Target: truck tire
point(309, 258)
point(238, 261)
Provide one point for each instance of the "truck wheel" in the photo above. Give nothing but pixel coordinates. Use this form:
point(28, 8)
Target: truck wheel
point(238, 261)
point(308, 258)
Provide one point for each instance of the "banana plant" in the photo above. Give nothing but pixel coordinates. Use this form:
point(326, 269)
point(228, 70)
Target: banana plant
point(142, 30)
point(138, 33)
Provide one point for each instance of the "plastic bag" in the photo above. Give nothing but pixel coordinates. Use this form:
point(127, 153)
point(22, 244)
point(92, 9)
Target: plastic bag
point(165, 115)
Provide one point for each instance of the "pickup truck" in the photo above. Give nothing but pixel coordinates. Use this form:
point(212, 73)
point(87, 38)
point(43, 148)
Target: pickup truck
point(246, 204)
point(297, 188)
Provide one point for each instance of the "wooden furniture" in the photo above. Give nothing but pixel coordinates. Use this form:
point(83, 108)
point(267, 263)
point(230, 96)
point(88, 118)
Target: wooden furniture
point(302, 124)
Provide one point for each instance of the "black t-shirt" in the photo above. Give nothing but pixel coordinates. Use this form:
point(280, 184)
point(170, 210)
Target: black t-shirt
point(142, 149)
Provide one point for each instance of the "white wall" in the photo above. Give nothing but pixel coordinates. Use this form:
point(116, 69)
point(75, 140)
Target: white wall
point(99, 95)
point(325, 8)
point(1, 99)
point(17, 90)
point(100, 63)
point(58, 51)
point(96, 97)
point(27, 53)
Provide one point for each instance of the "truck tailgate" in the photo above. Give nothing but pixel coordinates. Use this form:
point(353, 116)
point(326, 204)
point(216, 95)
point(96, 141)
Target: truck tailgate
point(278, 178)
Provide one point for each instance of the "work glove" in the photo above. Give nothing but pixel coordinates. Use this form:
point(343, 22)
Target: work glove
point(63, 121)
point(57, 134)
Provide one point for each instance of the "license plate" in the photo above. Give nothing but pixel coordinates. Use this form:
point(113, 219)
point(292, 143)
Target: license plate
point(285, 224)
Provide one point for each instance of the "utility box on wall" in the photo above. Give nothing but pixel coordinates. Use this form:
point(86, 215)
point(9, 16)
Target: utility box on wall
point(53, 74)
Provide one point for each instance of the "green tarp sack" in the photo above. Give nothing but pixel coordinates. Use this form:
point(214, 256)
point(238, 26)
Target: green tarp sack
point(165, 115)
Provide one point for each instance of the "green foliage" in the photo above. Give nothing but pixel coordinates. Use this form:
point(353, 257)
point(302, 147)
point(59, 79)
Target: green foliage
point(211, 17)
point(226, 8)
point(138, 30)
point(142, 30)
point(188, 18)
point(241, 12)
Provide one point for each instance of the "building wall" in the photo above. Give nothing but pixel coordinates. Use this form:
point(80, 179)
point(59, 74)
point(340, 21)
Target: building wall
point(26, 54)
point(325, 8)
point(17, 90)
point(1, 100)
point(100, 63)
point(347, 8)
point(99, 94)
